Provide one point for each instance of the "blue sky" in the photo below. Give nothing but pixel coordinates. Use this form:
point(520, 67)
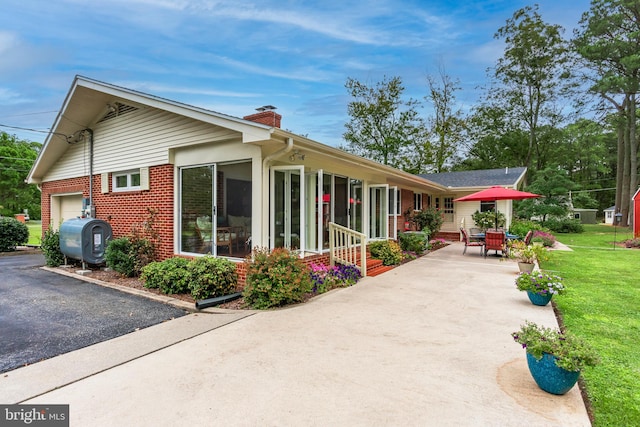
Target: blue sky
point(233, 56)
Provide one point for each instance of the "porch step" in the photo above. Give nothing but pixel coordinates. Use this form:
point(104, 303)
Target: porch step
point(372, 272)
point(375, 267)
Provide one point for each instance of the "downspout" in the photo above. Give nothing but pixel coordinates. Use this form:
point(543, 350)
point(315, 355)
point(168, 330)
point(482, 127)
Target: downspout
point(265, 181)
point(91, 208)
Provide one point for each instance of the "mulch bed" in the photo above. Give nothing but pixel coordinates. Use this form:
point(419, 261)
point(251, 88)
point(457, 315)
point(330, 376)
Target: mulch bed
point(111, 276)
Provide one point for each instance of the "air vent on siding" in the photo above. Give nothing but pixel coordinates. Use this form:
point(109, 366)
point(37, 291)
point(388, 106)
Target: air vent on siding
point(117, 109)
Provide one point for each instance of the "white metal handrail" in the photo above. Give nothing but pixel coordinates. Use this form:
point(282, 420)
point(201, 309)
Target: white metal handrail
point(346, 246)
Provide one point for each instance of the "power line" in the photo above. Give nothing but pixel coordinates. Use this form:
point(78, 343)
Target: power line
point(596, 189)
point(32, 114)
point(29, 129)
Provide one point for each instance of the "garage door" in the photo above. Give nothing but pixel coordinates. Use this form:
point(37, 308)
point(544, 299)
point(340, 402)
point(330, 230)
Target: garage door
point(64, 208)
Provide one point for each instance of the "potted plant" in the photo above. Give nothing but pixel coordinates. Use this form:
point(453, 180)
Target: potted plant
point(540, 287)
point(527, 255)
point(555, 358)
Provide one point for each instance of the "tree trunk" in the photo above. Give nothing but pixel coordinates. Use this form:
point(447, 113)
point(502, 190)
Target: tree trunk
point(626, 171)
point(633, 155)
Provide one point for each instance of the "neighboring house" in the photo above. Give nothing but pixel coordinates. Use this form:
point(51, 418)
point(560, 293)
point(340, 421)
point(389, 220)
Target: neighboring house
point(220, 184)
point(586, 216)
point(458, 214)
point(609, 215)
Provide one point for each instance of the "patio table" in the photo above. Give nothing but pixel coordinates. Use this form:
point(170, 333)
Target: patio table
point(480, 236)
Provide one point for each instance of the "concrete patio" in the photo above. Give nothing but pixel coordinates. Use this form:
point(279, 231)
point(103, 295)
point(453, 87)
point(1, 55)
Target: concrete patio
point(427, 343)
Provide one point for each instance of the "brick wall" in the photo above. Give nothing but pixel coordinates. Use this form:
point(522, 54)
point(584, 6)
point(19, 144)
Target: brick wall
point(123, 210)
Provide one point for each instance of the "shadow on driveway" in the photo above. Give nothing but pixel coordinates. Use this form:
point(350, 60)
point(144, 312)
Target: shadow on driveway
point(43, 314)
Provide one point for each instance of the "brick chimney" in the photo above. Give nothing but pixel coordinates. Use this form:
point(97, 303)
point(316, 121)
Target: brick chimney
point(266, 116)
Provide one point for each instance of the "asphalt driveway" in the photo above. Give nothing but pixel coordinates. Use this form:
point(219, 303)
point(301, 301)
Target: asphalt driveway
point(43, 314)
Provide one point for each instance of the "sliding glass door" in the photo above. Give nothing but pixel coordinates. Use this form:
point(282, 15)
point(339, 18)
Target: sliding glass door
point(378, 211)
point(287, 207)
point(216, 209)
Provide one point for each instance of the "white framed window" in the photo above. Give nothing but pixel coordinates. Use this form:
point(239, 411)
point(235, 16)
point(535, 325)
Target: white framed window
point(126, 181)
point(417, 201)
point(394, 201)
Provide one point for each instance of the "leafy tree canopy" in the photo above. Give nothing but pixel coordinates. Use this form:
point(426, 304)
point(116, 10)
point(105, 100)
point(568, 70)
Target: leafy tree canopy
point(16, 158)
point(384, 126)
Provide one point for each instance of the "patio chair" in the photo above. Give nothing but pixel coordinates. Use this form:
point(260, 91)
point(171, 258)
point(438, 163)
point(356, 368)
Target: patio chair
point(468, 242)
point(495, 240)
point(528, 237)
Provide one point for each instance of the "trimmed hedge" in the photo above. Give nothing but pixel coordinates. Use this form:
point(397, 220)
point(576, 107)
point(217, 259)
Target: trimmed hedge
point(12, 234)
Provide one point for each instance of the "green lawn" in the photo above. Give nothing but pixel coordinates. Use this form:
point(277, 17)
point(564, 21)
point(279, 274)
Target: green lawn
point(35, 232)
point(602, 305)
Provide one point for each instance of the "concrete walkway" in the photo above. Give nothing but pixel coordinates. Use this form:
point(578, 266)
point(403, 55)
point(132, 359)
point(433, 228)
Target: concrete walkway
point(425, 344)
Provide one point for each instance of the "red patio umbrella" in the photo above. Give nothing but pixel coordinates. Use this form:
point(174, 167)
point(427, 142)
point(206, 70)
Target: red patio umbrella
point(495, 193)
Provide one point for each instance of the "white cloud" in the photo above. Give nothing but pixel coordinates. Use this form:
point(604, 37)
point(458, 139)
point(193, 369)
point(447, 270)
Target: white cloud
point(157, 88)
point(308, 73)
point(10, 97)
point(487, 53)
point(7, 41)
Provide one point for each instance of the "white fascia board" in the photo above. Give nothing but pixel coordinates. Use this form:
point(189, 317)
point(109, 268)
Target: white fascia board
point(302, 142)
point(520, 179)
point(251, 131)
point(36, 165)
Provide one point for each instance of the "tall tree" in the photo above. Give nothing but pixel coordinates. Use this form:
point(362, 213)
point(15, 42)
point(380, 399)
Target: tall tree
point(383, 126)
point(447, 123)
point(495, 140)
point(533, 75)
point(554, 185)
point(584, 153)
point(608, 39)
point(16, 158)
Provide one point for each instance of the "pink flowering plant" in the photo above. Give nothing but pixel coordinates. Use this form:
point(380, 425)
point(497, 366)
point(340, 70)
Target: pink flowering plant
point(540, 283)
point(325, 278)
point(437, 243)
point(547, 239)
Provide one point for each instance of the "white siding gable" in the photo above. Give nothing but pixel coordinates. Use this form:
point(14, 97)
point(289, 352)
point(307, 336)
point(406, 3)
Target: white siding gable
point(141, 138)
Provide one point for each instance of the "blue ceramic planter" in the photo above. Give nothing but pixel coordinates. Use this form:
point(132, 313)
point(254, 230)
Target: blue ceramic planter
point(549, 377)
point(539, 299)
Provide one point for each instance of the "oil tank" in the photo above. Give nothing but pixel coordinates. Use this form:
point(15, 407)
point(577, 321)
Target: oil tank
point(85, 239)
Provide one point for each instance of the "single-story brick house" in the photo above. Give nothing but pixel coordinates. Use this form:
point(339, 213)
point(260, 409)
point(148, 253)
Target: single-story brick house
point(222, 184)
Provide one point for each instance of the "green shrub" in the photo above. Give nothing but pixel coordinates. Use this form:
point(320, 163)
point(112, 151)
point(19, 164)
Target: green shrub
point(564, 225)
point(12, 234)
point(486, 220)
point(413, 242)
point(275, 278)
point(50, 246)
point(520, 227)
point(428, 220)
point(211, 277)
point(386, 250)
point(128, 255)
point(171, 276)
point(119, 256)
